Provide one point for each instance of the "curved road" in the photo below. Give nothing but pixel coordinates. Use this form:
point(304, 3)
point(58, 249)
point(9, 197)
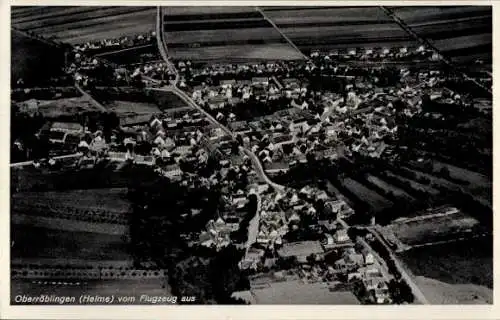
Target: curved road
point(173, 88)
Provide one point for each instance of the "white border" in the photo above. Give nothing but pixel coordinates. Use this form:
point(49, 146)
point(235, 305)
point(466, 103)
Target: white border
point(217, 312)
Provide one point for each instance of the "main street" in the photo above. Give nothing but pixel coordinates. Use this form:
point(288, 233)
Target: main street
point(186, 98)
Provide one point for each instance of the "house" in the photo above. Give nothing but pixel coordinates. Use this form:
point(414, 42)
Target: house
point(172, 171)
point(341, 236)
point(67, 127)
point(145, 160)
point(302, 250)
point(217, 102)
point(252, 258)
point(260, 81)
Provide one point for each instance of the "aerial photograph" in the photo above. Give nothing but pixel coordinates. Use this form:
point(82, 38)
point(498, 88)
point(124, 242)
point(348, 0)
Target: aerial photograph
point(251, 155)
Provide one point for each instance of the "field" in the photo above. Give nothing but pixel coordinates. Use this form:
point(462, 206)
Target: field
point(454, 272)
point(376, 201)
point(34, 242)
point(462, 33)
point(339, 27)
point(167, 100)
point(223, 33)
point(438, 228)
point(414, 185)
point(59, 107)
point(105, 199)
point(134, 55)
point(76, 25)
point(389, 187)
point(33, 60)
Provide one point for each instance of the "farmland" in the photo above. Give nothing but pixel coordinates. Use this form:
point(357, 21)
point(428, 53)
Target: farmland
point(381, 184)
point(462, 33)
point(352, 27)
point(234, 33)
point(81, 24)
point(58, 107)
point(456, 272)
point(36, 242)
point(134, 55)
point(426, 230)
point(376, 201)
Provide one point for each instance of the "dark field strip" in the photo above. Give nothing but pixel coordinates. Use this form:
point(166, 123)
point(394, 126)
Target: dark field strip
point(23, 11)
point(470, 21)
point(230, 42)
point(34, 242)
point(451, 33)
point(209, 16)
point(487, 48)
point(483, 25)
point(91, 16)
point(333, 24)
point(232, 24)
point(286, 8)
point(426, 14)
point(71, 11)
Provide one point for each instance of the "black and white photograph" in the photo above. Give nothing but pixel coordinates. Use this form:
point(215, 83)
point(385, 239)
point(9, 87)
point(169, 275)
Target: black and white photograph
point(251, 155)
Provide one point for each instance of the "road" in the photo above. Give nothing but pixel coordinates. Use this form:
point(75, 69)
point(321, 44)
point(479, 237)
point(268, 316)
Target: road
point(29, 163)
point(290, 42)
point(186, 98)
point(90, 98)
point(162, 46)
point(419, 295)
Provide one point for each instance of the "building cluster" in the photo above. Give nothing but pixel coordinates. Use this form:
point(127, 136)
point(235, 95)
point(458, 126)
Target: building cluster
point(378, 54)
point(123, 42)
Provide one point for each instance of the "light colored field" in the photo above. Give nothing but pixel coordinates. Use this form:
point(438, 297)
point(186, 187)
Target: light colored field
point(438, 292)
point(381, 31)
point(238, 52)
point(180, 10)
point(228, 35)
point(376, 201)
point(296, 292)
point(60, 107)
point(332, 14)
point(376, 29)
point(424, 231)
